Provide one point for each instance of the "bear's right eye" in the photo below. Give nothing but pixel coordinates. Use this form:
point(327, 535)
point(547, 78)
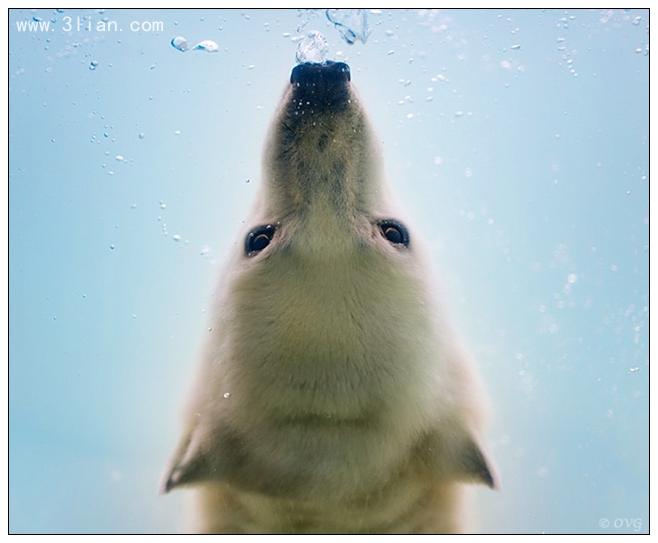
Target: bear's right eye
point(258, 239)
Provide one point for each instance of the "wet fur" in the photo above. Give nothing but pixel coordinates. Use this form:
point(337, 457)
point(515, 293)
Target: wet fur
point(350, 406)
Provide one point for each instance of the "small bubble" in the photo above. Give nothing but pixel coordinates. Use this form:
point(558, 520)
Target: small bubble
point(112, 247)
point(180, 43)
point(163, 205)
point(208, 46)
point(141, 135)
point(516, 46)
point(176, 237)
point(93, 64)
point(227, 395)
point(177, 132)
point(572, 278)
point(119, 158)
point(633, 370)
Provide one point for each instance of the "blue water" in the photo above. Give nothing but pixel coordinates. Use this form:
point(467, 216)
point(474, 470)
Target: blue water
point(518, 141)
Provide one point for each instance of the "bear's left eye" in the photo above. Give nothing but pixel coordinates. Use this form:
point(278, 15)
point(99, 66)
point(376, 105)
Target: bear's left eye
point(395, 232)
point(258, 239)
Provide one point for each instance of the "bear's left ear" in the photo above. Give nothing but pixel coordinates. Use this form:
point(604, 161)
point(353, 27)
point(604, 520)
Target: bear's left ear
point(458, 454)
point(473, 464)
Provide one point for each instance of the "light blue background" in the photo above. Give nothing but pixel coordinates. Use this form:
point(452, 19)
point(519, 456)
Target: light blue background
point(543, 174)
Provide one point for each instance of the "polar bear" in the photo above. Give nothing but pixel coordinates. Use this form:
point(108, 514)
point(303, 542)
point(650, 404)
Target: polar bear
point(333, 396)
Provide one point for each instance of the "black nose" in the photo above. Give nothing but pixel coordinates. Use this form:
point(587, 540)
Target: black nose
point(326, 74)
point(320, 86)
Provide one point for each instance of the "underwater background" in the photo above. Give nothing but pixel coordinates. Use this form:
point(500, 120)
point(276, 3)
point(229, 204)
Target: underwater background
point(517, 140)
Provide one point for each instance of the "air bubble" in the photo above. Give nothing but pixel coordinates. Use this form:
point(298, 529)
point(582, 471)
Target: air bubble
point(312, 48)
point(351, 23)
point(207, 46)
point(180, 44)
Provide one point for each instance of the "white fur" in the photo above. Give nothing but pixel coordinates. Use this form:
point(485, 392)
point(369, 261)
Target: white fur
point(332, 397)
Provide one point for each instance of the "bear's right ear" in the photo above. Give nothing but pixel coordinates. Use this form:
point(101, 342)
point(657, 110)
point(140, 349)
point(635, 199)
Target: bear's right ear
point(186, 466)
point(201, 456)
